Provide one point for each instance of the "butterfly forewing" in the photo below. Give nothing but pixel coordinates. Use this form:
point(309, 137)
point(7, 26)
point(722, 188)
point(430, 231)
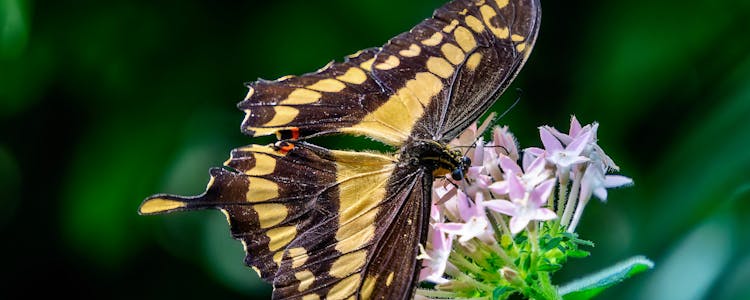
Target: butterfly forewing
point(451, 67)
point(512, 27)
point(337, 96)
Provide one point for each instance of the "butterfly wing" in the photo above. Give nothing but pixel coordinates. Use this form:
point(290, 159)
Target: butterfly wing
point(430, 82)
point(317, 222)
point(339, 98)
point(338, 95)
point(490, 70)
point(459, 61)
point(268, 196)
point(368, 249)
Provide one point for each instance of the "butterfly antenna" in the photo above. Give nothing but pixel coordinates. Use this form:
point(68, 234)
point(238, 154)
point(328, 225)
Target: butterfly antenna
point(491, 118)
point(518, 99)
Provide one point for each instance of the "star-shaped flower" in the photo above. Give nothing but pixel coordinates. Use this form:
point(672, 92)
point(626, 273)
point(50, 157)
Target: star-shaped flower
point(593, 148)
point(565, 158)
point(435, 260)
point(524, 206)
point(475, 223)
point(532, 175)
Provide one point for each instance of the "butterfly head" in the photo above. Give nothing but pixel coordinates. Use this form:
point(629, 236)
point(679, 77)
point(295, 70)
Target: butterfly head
point(458, 172)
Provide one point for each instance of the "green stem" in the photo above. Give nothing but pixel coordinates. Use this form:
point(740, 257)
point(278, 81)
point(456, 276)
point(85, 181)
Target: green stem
point(436, 293)
point(461, 262)
point(562, 192)
point(546, 288)
point(504, 256)
point(500, 227)
point(459, 276)
point(534, 241)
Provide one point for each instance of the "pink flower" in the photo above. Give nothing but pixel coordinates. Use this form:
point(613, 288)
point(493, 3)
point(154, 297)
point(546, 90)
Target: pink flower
point(593, 148)
point(504, 143)
point(435, 260)
point(475, 223)
point(524, 206)
point(573, 132)
point(564, 158)
point(532, 175)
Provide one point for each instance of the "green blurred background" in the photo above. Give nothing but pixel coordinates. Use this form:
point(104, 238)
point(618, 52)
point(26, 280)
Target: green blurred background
point(103, 103)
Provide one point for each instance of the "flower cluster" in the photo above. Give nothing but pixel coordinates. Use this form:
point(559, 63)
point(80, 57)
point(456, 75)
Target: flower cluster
point(506, 226)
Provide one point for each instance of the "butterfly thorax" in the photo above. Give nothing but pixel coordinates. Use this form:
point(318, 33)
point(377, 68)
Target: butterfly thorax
point(435, 156)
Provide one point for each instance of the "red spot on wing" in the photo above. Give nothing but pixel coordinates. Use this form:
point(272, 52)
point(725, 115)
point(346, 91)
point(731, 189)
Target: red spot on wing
point(284, 147)
point(295, 133)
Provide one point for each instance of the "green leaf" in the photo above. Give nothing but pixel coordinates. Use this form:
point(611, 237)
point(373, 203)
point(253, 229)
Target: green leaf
point(549, 267)
point(549, 244)
point(499, 293)
point(578, 253)
point(592, 285)
point(584, 242)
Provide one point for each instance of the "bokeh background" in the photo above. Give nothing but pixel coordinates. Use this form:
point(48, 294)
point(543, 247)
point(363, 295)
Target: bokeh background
point(103, 103)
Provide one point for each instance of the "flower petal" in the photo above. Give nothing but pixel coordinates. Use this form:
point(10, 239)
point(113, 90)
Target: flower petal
point(431, 275)
point(612, 181)
point(478, 158)
point(564, 138)
point(441, 242)
point(474, 171)
point(464, 206)
point(518, 223)
point(534, 151)
point(435, 215)
point(516, 189)
point(544, 214)
point(576, 160)
point(541, 193)
point(506, 142)
point(509, 166)
point(537, 166)
point(451, 228)
point(601, 193)
point(579, 144)
point(575, 126)
point(499, 187)
point(478, 207)
point(551, 143)
point(502, 206)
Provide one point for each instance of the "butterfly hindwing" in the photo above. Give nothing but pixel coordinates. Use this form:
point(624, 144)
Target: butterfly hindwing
point(393, 270)
point(369, 255)
point(267, 195)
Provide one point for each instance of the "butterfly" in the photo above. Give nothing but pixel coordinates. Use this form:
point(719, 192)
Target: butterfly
point(333, 224)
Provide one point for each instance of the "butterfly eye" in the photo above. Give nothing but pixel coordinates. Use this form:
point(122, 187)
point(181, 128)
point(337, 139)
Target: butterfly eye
point(457, 174)
point(465, 162)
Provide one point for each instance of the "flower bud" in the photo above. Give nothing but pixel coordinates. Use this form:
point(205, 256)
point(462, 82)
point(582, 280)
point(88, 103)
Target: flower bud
point(511, 276)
